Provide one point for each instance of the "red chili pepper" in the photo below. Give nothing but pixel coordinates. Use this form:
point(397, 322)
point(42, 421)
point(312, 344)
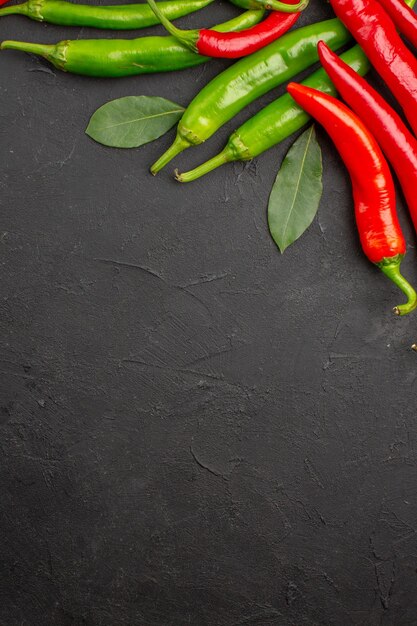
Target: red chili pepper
point(3, 2)
point(403, 17)
point(375, 32)
point(373, 188)
point(396, 141)
point(234, 45)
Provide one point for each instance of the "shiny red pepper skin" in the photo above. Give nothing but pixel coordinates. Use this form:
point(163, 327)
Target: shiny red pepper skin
point(373, 188)
point(375, 32)
point(396, 141)
point(235, 45)
point(403, 17)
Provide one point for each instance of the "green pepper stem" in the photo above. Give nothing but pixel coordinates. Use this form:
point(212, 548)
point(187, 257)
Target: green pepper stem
point(44, 50)
point(391, 268)
point(17, 9)
point(187, 37)
point(177, 147)
point(225, 156)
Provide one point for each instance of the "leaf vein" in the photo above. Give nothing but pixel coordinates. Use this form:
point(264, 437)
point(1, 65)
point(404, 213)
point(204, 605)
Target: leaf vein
point(298, 182)
point(139, 119)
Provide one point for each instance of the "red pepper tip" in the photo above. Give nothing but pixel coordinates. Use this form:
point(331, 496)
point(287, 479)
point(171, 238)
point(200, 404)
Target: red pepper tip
point(326, 54)
point(293, 87)
point(322, 47)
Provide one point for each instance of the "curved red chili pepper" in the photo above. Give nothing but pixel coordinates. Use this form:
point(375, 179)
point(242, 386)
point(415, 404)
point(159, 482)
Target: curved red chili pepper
point(373, 188)
point(233, 45)
point(375, 32)
point(396, 141)
point(403, 17)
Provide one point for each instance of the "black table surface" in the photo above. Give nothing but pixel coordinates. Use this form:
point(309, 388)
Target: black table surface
point(195, 429)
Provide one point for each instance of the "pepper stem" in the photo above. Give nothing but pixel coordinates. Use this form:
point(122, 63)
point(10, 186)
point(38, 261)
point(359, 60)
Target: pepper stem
point(225, 156)
point(187, 37)
point(390, 266)
point(43, 50)
point(180, 144)
point(16, 9)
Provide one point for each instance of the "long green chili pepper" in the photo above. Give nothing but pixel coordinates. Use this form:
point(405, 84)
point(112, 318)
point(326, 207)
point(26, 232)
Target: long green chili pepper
point(120, 17)
point(248, 79)
point(126, 57)
point(277, 121)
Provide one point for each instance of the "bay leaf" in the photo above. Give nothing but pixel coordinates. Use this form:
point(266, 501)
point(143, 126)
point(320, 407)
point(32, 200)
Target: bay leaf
point(132, 121)
point(297, 190)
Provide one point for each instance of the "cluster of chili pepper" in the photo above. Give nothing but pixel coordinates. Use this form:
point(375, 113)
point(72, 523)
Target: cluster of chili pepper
point(363, 134)
point(115, 58)
point(356, 138)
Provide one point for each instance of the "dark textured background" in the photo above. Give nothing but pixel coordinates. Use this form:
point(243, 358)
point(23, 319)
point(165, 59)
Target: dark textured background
point(194, 428)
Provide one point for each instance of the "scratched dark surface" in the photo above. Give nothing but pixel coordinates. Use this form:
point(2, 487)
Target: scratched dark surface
point(194, 428)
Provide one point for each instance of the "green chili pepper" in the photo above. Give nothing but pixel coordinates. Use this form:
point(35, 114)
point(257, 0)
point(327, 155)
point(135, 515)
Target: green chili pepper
point(126, 57)
point(249, 79)
point(120, 17)
point(277, 121)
